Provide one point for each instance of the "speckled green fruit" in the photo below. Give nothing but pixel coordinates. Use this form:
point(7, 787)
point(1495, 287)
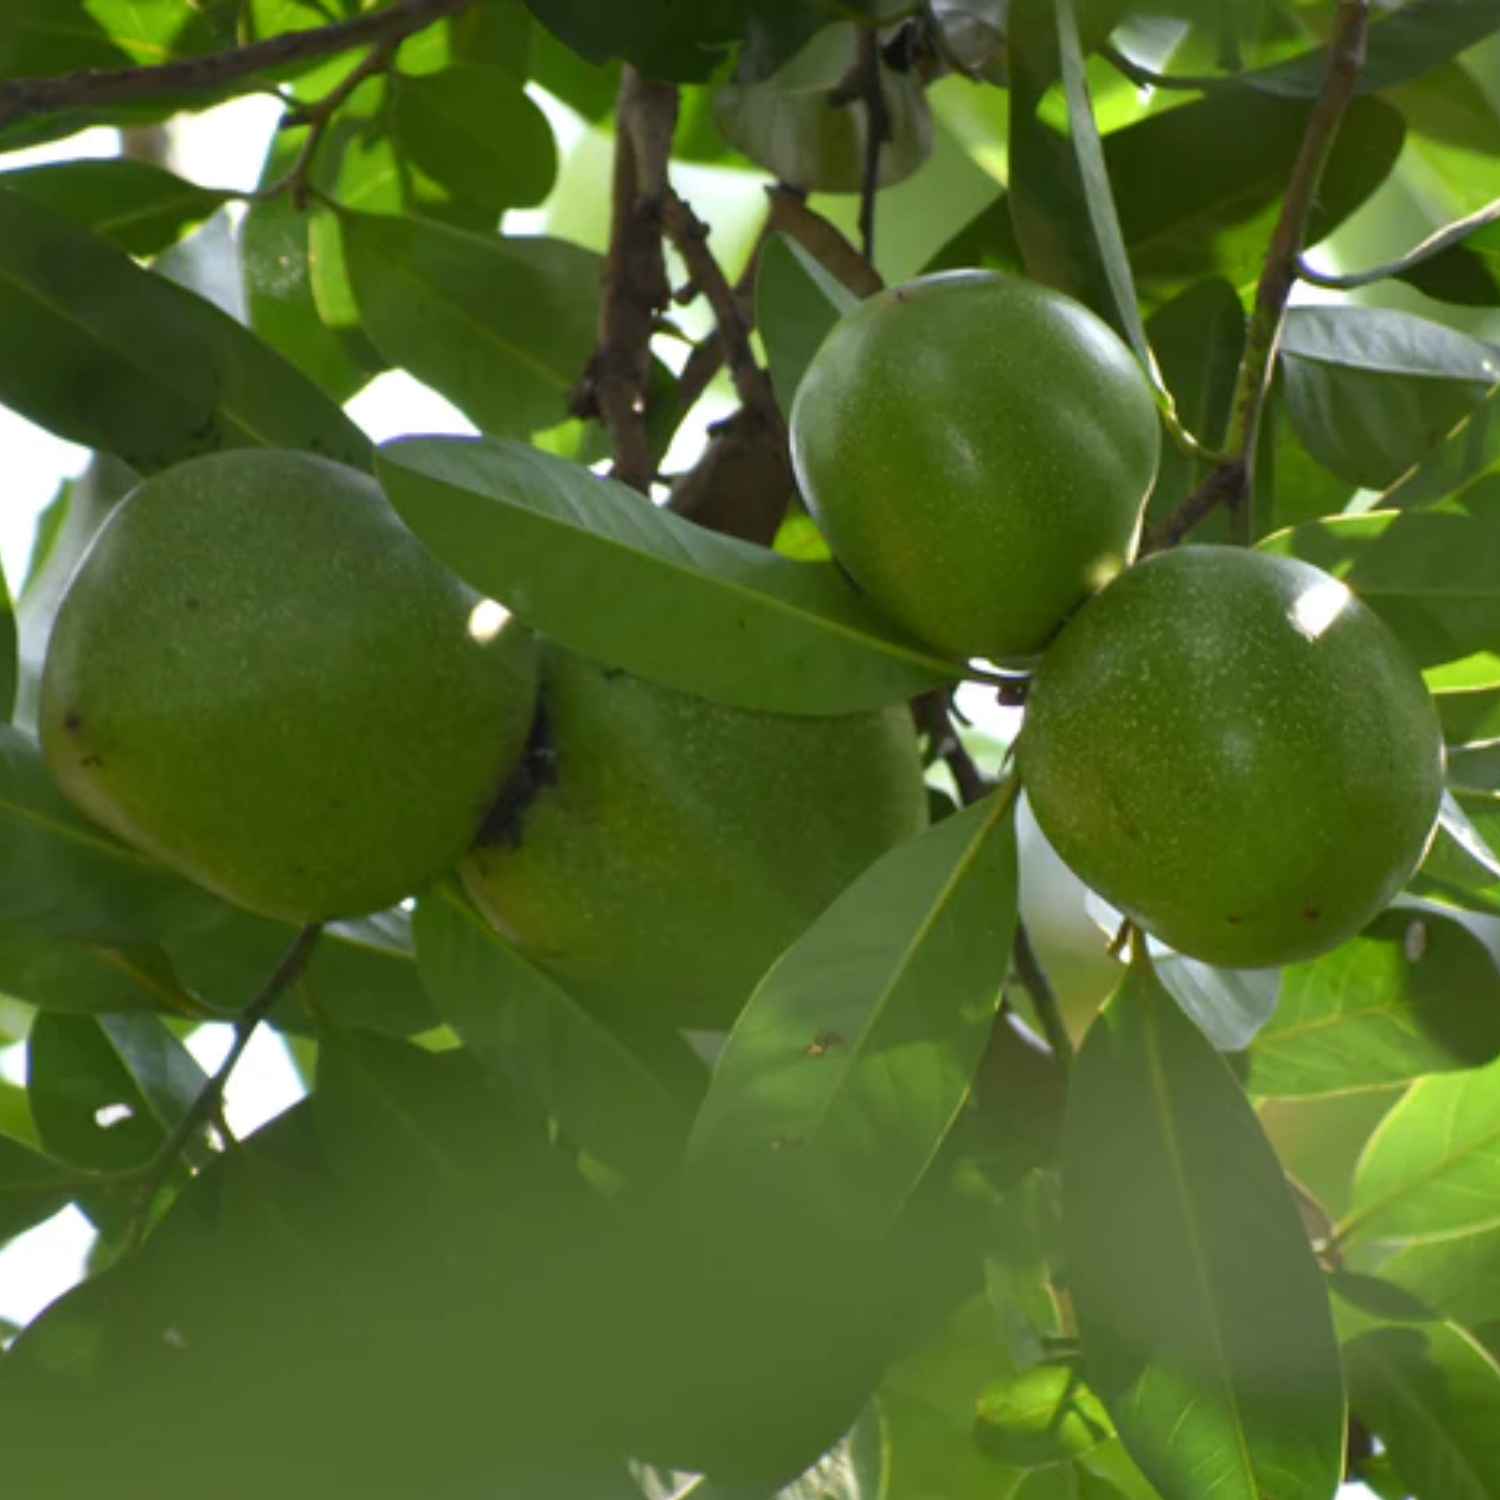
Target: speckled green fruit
point(668, 849)
point(977, 450)
point(262, 678)
point(1236, 753)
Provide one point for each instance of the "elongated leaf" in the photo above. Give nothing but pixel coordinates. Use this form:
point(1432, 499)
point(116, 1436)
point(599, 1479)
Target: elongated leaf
point(54, 974)
point(1466, 457)
point(797, 302)
point(1371, 392)
point(1415, 993)
point(540, 1044)
point(106, 354)
point(606, 574)
point(1429, 575)
point(1432, 1168)
point(1431, 1393)
point(105, 1091)
point(474, 130)
point(32, 1187)
point(1229, 1005)
point(135, 206)
point(848, 1065)
point(1458, 1277)
point(502, 327)
point(64, 877)
point(1205, 1324)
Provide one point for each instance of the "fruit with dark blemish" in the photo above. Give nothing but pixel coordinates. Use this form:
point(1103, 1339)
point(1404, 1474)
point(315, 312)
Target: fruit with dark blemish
point(1276, 754)
point(322, 741)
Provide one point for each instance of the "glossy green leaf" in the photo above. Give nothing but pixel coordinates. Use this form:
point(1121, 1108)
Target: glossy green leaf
point(475, 132)
point(1467, 457)
point(1205, 1323)
point(1458, 1277)
point(1039, 1416)
point(797, 302)
point(502, 327)
point(135, 206)
point(1470, 715)
point(1371, 392)
point(1462, 268)
point(88, 978)
point(106, 354)
point(608, 575)
point(32, 1187)
point(65, 877)
point(105, 1091)
point(539, 1044)
point(156, 31)
point(1431, 1393)
point(848, 1066)
point(1429, 575)
point(1432, 1168)
point(661, 37)
point(1414, 993)
point(1229, 1005)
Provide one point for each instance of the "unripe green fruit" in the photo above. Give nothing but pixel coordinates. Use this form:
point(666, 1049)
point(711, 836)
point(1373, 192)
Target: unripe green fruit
point(1235, 752)
point(668, 849)
point(260, 677)
point(977, 450)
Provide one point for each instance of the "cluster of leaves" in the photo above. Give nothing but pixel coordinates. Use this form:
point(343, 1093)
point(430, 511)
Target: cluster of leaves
point(505, 1246)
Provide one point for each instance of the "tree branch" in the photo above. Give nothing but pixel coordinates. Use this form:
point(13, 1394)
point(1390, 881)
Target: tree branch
point(211, 1096)
point(933, 717)
point(1034, 981)
point(96, 88)
point(1227, 483)
point(635, 287)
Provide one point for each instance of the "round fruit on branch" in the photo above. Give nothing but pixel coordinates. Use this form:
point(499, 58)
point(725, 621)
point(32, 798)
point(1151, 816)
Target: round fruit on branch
point(1235, 752)
point(260, 677)
point(977, 450)
point(659, 851)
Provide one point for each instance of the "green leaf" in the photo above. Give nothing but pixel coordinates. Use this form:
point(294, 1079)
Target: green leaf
point(606, 574)
point(1429, 575)
point(10, 664)
point(106, 354)
point(156, 31)
point(361, 973)
point(1465, 459)
point(1432, 1168)
point(473, 131)
point(797, 302)
point(1040, 1416)
point(1205, 1324)
point(106, 1090)
point(540, 1045)
point(32, 1187)
point(1198, 337)
point(1470, 713)
point(1466, 269)
point(502, 327)
point(1372, 392)
point(1430, 1392)
point(848, 1066)
point(86, 978)
point(63, 876)
point(1229, 1006)
point(1415, 993)
point(133, 205)
point(1457, 1277)
point(663, 38)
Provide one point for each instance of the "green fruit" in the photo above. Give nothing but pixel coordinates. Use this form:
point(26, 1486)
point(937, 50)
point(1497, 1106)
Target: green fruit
point(668, 849)
point(260, 677)
point(977, 450)
point(1236, 753)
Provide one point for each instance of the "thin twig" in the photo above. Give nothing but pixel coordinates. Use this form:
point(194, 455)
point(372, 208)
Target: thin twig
point(933, 715)
point(1435, 243)
point(1145, 78)
point(791, 214)
point(97, 88)
point(877, 135)
point(1227, 484)
point(1034, 981)
point(296, 181)
point(211, 1096)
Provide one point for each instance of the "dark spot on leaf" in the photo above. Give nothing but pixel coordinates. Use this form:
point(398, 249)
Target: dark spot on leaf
point(1312, 913)
point(1234, 921)
point(820, 1044)
point(609, 674)
point(193, 603)
point(89, 761)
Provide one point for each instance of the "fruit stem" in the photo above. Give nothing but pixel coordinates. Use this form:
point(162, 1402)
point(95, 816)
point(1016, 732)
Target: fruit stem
point(210, 1097)
point(1034, 981)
